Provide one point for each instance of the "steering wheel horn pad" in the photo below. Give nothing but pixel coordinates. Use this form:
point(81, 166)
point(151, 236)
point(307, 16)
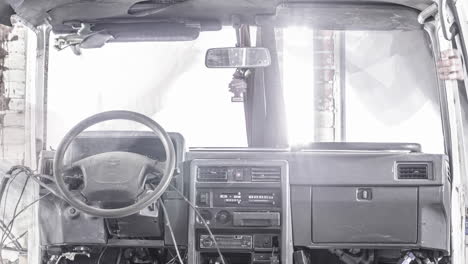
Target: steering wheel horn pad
point(115, 177)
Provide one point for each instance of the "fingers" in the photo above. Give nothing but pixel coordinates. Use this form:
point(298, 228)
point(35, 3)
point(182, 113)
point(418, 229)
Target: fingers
point(450, 53)
point(451, 76)
point(449, 62)
point(449, 67)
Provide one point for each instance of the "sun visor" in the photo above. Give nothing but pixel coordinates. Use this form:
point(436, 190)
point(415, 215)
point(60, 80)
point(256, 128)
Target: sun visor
point(96, 34)
point(343, 16)
point(134, 32)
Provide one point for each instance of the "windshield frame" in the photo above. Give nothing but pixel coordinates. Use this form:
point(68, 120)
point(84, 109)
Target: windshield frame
point(253, 107)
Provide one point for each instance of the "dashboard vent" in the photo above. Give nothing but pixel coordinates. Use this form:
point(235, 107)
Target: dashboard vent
point(266, 174)
point(413, 171)
point(212, 174)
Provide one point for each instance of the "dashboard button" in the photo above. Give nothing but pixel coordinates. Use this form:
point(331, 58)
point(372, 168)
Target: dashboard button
point(204, 199)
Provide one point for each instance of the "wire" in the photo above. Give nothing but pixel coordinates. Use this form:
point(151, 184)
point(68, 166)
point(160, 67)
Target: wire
point(5, 229)
point(28, 172)
point(47, 177)
point(36, 177)
point(194, 208)
point(21, 168)
point(47, 187)
point(3, 185)
point(21, 251)
point(15, 171)
point(10, 225)
point(59, 259)
point(10, 248)
point(19, 213)
point(29, 205)
point(171, 260)
point(13, 240)
point(4, 210)
point(6, 194)
point(21, 195)
point(168, 224)
point(101, 254)
point(119, 257)
point(26, 208)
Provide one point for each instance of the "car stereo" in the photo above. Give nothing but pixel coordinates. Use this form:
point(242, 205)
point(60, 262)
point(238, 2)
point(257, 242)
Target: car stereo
point(245, 203)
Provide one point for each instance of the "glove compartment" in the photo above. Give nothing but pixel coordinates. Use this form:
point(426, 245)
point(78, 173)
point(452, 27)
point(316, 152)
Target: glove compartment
point(364, 214)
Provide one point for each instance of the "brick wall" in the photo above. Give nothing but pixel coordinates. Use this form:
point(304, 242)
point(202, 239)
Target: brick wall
point(324, 90)
point(12, 122)
point(12, 94)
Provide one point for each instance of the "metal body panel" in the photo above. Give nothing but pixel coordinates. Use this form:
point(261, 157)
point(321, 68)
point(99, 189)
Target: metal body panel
point(36, 11)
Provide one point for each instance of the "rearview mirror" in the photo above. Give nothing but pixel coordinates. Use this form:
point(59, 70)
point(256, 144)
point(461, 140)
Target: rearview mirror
point(238, 58)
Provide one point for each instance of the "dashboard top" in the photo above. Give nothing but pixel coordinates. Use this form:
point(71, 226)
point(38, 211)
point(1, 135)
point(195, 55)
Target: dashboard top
point(322, 164)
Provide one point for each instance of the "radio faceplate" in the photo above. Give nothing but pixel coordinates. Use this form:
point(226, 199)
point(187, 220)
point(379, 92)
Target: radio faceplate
point(239, 207)
point(227, 241)
point(240, 241)
point(238, 197)
point(234, 218)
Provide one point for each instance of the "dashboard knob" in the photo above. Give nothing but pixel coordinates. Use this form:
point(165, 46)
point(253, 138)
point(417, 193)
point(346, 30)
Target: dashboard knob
point(223, 217)
point(207, 243)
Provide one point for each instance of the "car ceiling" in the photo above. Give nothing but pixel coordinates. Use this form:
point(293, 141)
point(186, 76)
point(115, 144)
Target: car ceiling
point(61, 13)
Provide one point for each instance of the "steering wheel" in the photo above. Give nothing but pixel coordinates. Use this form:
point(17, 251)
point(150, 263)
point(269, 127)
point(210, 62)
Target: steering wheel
point(114, 177)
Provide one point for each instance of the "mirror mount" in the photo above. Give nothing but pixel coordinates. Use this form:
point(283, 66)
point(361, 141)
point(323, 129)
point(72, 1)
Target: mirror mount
point(245, 57)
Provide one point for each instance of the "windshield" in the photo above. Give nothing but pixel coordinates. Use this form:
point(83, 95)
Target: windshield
point(355, 86)
point(167, 81)
point(360, 86)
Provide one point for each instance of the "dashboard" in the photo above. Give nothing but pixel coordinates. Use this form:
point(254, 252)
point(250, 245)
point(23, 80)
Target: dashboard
point(267, 205)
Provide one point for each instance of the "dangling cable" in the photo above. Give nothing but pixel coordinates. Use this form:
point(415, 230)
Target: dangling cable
point(194, 208)
point(168, 224)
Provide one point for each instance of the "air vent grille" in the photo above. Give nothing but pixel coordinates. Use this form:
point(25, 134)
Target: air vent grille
point(413, 171)
point(266, 174)
point(212, 173)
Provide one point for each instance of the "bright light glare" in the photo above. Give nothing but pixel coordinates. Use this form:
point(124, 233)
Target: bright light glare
point(298, 77)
